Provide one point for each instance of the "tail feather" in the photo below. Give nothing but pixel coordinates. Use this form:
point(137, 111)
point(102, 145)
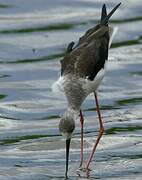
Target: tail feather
point(104, 13)
point(105, 20)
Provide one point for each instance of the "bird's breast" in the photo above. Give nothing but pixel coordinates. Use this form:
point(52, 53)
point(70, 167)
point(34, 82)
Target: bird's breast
point(76, 89)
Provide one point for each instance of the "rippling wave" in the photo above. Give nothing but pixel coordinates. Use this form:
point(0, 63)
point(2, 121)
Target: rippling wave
point(33, 38)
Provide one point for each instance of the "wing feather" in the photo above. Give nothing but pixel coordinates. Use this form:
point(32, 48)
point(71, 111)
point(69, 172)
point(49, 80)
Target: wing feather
point(88, 57)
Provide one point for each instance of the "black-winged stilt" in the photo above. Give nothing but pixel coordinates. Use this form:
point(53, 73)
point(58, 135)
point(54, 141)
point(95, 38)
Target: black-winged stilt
point(82, 70)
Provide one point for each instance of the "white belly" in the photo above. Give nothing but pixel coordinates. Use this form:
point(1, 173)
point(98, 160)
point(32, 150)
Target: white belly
point(87, 85)
point(91, 86)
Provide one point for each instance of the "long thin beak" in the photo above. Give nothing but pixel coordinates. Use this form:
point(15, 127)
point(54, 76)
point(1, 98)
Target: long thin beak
point(67, 156)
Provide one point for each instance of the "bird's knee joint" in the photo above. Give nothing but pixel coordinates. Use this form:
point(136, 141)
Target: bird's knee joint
point(102, 130)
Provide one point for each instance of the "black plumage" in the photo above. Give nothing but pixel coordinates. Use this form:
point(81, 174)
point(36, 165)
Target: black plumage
point(88, 57)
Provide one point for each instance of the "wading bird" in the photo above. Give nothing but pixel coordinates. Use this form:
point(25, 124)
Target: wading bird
point(82, 69)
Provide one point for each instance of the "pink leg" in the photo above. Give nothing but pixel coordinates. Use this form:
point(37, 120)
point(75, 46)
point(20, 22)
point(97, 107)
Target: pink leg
point(82, 123)
point(101, 131)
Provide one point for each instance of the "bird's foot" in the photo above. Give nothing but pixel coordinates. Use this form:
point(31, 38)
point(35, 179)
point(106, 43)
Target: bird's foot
point(82, 169)
point(81, 166)
point(87, 170)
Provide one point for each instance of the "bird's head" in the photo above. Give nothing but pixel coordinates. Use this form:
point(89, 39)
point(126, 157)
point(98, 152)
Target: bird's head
point(66, 127)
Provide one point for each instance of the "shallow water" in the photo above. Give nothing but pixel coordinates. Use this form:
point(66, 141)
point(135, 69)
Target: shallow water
point(33, 38)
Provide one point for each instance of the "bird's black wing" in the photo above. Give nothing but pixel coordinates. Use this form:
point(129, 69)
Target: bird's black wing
point(93, 57)
point(89, 55)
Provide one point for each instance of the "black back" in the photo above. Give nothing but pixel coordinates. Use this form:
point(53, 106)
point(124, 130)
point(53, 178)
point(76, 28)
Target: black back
point(88, 57)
